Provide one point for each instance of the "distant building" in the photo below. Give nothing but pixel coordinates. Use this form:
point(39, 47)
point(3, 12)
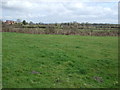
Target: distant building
point(10, 22)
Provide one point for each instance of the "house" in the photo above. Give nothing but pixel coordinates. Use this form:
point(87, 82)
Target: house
point(10, 22)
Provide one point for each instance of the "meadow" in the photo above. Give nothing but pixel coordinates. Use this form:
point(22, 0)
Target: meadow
point(59, 61)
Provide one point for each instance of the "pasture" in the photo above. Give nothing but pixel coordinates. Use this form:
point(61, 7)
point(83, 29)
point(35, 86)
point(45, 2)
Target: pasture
point(59, 61)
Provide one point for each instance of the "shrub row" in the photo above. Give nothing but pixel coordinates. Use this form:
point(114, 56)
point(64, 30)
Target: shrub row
point(68, 31)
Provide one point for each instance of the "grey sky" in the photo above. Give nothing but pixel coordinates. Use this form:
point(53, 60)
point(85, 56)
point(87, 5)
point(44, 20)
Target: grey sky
point(51, 11)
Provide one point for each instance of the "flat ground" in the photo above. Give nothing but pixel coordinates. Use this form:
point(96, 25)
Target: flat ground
point(59, 61)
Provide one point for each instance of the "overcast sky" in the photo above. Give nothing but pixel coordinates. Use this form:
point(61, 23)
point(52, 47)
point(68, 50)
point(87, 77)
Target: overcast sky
point(52, 11)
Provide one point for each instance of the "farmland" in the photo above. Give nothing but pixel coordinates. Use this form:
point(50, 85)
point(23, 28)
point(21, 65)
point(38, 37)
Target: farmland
point(59, 61)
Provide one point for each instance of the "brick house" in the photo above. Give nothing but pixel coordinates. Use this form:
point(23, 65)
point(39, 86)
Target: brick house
point(10, 22)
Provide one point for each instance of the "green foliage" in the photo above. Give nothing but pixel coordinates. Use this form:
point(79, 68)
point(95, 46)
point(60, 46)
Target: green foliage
point(24, 22)
point(59, 61)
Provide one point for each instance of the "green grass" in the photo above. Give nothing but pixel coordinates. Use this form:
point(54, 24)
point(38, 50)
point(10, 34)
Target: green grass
point(59, 61)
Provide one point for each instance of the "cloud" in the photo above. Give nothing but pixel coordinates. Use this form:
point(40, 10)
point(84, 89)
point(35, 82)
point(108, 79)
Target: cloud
point(60, 10)
point(17, 5)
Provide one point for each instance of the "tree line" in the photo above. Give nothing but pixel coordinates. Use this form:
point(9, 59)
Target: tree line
point(71, 28)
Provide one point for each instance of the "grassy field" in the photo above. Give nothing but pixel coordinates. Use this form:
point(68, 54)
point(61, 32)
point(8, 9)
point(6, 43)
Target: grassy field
point(59, 61)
